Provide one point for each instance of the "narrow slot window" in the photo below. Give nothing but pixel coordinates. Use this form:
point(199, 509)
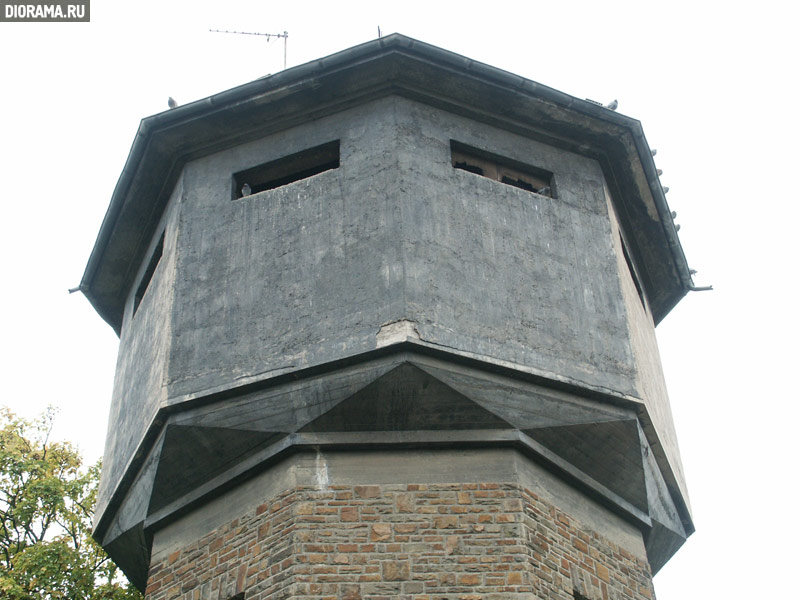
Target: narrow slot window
point(632, 271)
point(502, 169)
point(286, 170)
point(144, 284)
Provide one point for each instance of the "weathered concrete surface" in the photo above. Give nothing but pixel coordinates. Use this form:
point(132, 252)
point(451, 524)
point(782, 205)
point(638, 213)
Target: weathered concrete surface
point(649, 376)
point(294, 276)
point(308, 274)
point(503, 273)
point(143, 358)
point(395, 65)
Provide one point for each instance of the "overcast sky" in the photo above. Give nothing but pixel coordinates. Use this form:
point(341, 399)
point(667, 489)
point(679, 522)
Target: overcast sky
point(715, 85)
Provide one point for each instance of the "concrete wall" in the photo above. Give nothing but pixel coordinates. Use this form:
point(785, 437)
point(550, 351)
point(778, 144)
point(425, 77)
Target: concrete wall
point(509, 275)
point(650, 384)
point(308, 273)
point(144, 347)
point(293, 276)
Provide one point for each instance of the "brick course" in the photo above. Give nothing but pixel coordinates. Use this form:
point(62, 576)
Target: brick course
point(426, 542)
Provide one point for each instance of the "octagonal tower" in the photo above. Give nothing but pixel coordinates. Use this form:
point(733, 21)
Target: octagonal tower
point(387, 329)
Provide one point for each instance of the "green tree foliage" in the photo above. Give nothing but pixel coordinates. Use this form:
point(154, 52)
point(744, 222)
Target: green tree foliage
point(46, 504)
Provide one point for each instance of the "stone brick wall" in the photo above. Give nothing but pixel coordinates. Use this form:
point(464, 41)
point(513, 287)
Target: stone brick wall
point(568, 560)
point(426, 542)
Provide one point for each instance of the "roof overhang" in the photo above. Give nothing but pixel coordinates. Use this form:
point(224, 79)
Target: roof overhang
point(396, 65)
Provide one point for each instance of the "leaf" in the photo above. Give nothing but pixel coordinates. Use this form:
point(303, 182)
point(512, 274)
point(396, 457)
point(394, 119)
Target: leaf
point(47, 499)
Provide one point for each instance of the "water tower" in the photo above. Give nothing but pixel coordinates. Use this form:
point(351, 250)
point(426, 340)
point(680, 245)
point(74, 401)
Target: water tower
point(386, 329)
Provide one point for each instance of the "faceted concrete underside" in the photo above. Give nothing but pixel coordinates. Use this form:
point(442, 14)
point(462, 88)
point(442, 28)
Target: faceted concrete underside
point(466, 541)
point(401, 401)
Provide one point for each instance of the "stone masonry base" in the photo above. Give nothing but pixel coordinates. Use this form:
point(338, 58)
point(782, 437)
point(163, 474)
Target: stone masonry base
point(466, 541)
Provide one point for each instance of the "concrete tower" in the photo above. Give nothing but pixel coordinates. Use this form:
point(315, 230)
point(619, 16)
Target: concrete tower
point(386, 329)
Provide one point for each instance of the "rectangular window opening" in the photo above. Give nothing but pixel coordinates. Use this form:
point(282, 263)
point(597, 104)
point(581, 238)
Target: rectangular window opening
point(502, 169)
point(286, 170)
point(144, 284)
point(632, 271)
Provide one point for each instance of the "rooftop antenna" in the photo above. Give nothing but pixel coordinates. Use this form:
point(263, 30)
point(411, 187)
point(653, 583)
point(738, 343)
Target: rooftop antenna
point(284, 35)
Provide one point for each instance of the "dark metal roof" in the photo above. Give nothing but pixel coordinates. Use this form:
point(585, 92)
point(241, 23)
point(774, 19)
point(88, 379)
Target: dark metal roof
point(398, 65)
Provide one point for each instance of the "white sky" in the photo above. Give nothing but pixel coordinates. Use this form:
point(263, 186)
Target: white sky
point(715, 85)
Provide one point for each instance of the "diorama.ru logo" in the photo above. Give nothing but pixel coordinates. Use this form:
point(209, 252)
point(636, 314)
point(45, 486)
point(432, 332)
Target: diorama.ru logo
point(47, 12)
